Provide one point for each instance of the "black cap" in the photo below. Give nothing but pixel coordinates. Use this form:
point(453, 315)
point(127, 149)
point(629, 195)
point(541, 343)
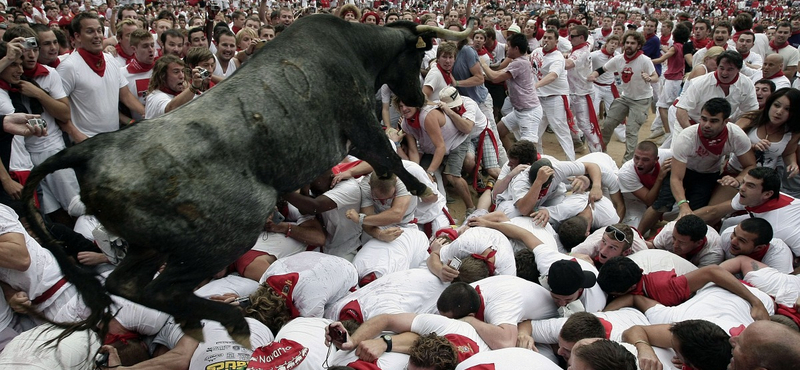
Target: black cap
point(566, 277)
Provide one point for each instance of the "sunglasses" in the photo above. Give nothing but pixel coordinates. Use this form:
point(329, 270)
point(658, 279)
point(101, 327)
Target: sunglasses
point(619, 235)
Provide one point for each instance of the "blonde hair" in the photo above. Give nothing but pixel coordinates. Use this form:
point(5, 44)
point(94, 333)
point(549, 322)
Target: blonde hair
point(713, 52)
point(269, 308)
point(247, 31)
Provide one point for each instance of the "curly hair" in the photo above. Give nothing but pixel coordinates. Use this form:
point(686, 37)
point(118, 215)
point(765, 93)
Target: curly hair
point(433, 351)
point(269, 308)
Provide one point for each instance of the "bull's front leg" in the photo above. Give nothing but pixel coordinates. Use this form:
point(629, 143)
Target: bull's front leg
point(370, 144)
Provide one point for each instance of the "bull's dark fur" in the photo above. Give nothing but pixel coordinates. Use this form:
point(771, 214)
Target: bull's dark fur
point(193, 188)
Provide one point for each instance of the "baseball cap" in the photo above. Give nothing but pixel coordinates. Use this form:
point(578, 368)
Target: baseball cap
point(450, 96)
point(514, 28)
point(566, 277)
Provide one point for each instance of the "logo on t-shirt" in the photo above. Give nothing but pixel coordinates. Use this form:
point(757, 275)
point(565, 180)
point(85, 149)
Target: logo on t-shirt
point(626, 74)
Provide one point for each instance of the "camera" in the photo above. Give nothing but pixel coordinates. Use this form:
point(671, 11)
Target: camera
point(101, 360)
point(204, 73)
point(243, 302)
point(37, 122)
point(337, 334)
point(30, 43)
point(455, 263)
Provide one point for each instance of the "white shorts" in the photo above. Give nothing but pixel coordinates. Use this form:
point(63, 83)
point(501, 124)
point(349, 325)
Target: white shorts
point(670, 92)
point(524, 123)
point(784, 287)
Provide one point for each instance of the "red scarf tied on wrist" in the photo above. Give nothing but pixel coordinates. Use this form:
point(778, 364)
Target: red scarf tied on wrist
point(714, 145)
point(448, 78)
point(95, 61)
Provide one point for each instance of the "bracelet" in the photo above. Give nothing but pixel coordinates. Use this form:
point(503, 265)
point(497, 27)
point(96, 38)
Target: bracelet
point(682, 202)
point(641, 341)
point(361, 218)
point(456, 82)
point(289, 231)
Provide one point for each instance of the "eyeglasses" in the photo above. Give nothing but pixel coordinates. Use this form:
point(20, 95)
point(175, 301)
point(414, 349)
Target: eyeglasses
point(619, 235)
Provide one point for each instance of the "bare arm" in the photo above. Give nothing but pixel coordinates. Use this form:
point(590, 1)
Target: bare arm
point(308, 205)
point(434, 131)
point(391, 216)
point(130, 101)
point(648, 196)
point(665, 56)
point(676, 185)
point(14, 253)
point(509, 230)
point(475, 80)
point(496, 336)
point(683, 117)
point(717, 275)
point(177, 358)
point(552, 76)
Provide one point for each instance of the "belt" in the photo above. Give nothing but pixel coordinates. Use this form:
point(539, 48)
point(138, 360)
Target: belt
point(49, 292)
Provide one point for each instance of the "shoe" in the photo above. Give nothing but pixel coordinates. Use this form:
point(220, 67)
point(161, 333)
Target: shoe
point(580, 147)
point(658, 132)
point(548, 129)
point(450, 200)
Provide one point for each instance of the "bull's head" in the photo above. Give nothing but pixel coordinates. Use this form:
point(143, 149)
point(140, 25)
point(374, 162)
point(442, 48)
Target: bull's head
point(403, 78)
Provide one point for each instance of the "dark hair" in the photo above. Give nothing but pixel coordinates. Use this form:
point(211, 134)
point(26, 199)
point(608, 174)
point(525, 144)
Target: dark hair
point(703, 21)
point(518, 40)
point(526, 265)
point(76, 22)
point(681, 33)
point(222, 32)
point(460, 299)
point(472, 270)
point(733, 57)
point(606, 355)
point(197, 29)
point(552, 22)
point(172, 32)
point(433, 351)
point(648, 146)
point(784, 24)
point(582, 325)
point(716, 106)
point(726, 25)
point(40, 28)
point(760, 227)
point(703, 345)
point(15, 32)
point(581, 30)
point(743, 21)
point(767, 82)
point(771, 180)
point(618, 275)
point(636, 35)
point(389, 14)
point(572, 232)
point(792, 123)
point(692, 226)
point(524, 151)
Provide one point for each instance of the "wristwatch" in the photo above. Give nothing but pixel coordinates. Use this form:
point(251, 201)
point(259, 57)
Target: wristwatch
point(388, 339)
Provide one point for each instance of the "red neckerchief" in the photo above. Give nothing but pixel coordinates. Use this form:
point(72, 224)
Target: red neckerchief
point(736, 35)
point(699, 44)
point(628, 60)
point(563, 32)
point(543, 192)
point(785, 310)
point(135, 67)
point(758, 256)
point(236, 29)
point(578, 47)
point(779, 74)
point(777, 48)
point(112, 338)
point(783, 200)
point(95, 61)
point(607, 326)
point(465, 347)
point(445, 74)
point(483, 51)
point(486, 259)
point(491, 49)
point(121, 52)
point(28, 15)
point(697, 250)
point(363, 365)
point(720, 83)
point(460, 110)
point(482, 308)
point(795, 32)
point(544, 52)
point(7, 87)
point(610, 55)
point(284, 285)
point(665, 39)
point(169, 91)
point(604, 32)
point(37, 71)
point(39, 9)
point(55, 63)
point(647, 38)
point(744, 56)
point(716, 144)
point(414, 121)
point(649, 179)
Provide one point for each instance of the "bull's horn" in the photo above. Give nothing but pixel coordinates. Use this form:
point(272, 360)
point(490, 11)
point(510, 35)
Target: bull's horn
point(447, 34)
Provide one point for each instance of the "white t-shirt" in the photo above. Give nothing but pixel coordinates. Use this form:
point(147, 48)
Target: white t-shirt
point(520, 184)
point(547, 331)
point(28, 350)
point(633, 85)
point(778, 256)
point(576, 76)
point(688, 149)
point(137, 84)
point(629, 181)
point(543, 64)
point(511, 300)
point(427, 212)
point(508, 359)
point(599, 59)
point(241, 286)
point(653, 260)
point(786, 231)
point(608, 169)
point(785, 288)
point(156, 104)
point(323, 280)
point(436, 82)
point(218, 350)
point(475, 241)
point(93, 100)
point(343, 236)
point(711, 254)
point(412, 290)
point(384, 205)
point(310, 333)
point(741, 95)
point(51, 84)
point(426, 323)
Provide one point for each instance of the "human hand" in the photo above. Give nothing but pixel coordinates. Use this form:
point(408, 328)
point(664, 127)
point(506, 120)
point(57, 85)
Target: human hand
point(762, 145)
point(665, 168)
point(517, 170)
point(92, 258)
point(758, 312)
point(14, 48)
point(541, 217)
point(792, 170)
point(592, 77)
point(526, 341)
point(19, 302)
point(580, 184)
point(110, 49)
point(347, 345)
point(544, 174)
point(369, 350)
point(352, 214)
point(389, 234)
point(448, 273)
point(17, 124)
point(224, 298)
point(13, 188)
point(729, 181)
point(113, 357)
point(341, 176)
point(649, 361)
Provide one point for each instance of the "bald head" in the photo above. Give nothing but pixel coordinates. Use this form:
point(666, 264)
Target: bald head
point(765, 344)
point(773, 64)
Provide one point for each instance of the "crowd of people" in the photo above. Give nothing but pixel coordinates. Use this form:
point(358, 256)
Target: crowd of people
point(681, 252)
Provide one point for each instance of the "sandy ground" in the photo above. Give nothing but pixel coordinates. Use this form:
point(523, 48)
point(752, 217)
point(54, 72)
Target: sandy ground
point(615, 149)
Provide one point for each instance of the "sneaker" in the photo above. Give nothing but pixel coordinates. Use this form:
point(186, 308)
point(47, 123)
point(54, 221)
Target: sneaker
point(658, 132)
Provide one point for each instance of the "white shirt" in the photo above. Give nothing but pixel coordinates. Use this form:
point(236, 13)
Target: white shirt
point(310, 333)
point(688, 149)
point(633, 85)
point(629, 181)
point(653, 260)
point(778, 256)
point(51, 84)
point(511, 300)
point(93, 100)
point(425, 324)
point(156, 104)
point(741, 95)
point(786, 231)
point(544, 64)
point(547, 331)
point(435, 80)
point(137, 84)
point(426, 212)
point(578, 85)
point(342, 236)
point(475, 241)
point(711, 254)
point(608, 170)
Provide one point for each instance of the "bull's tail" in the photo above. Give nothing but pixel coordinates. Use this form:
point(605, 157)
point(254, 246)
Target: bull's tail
point(89, 287)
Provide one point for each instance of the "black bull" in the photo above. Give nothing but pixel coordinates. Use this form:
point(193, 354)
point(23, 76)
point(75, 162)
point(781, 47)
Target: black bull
point(193, 188)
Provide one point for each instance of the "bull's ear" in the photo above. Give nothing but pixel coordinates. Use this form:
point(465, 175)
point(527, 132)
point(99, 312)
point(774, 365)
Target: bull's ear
point(424, 41)
point(421, 43)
